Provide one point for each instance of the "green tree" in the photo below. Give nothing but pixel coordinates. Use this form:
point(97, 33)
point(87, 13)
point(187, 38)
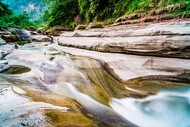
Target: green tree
point(61, 12)
point(8, 18)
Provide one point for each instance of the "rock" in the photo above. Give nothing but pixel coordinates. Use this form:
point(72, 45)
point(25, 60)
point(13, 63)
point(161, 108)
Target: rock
point(164, 39)
point(34, 33)
point(95, 25)
point(120, 19)
point(40, 30)
point(61, 70)
point(15, 34)
point(20, 33)
point(48, 32)
point(151, 5)
point(10, 38)
point(169, 8)
point(51, 71)
point(148, 19)
point(130, 17)
point(24, 34)
point(41, 38)
point(3, 67)
point(151, 13)
point(167, 17)
point(16, 69)
point(80, 27)
point(3, 62)
point(57, 31)
point(133, 16)
point(2, 42)
point(5, 32)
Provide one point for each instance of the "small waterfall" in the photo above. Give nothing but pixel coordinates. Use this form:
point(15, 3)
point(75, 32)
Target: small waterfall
point(106, 114)
point(165, 109)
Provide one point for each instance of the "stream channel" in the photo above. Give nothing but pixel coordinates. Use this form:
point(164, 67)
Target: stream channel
point(33, 77)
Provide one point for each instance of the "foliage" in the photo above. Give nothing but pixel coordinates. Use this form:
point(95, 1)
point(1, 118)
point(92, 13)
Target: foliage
point(62, 12)
point(24, 42)
point(34, 8)
point(8, 18)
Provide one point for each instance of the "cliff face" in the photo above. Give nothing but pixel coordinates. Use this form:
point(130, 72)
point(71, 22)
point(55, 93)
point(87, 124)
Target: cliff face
point(34, 8)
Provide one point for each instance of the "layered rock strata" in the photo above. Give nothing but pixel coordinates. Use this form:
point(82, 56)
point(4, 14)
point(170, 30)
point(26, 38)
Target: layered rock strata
point(163, 39)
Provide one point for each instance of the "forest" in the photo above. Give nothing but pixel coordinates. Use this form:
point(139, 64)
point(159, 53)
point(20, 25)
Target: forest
point(63, 12)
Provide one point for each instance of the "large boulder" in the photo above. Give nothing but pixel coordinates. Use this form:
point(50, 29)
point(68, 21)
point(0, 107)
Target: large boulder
point(23, 34)
point(10, 38)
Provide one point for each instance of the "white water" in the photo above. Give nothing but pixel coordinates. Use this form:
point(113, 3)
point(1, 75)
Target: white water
point(106, 114)
point(165, 109)
point(69, 90)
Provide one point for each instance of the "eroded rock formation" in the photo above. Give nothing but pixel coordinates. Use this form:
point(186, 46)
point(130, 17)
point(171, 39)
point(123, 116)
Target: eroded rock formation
point(164, 39)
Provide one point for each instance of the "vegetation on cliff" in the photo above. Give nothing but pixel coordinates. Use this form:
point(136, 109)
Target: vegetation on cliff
point(69, 13)
point(34, 8)
point(9, 19)
point(106, 10)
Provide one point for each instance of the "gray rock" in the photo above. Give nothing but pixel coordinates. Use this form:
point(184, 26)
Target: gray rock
point(24, 34)
point(41, 38)
point(163, 39)
point(2, 42)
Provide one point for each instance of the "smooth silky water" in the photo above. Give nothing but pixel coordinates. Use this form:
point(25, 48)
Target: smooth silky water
point(165, 109)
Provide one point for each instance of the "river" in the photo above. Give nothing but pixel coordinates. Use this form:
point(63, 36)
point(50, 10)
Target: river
point(103, 99)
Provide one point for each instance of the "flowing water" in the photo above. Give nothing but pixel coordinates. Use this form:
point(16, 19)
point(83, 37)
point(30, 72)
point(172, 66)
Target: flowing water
point(165, 109)
point(86, 81)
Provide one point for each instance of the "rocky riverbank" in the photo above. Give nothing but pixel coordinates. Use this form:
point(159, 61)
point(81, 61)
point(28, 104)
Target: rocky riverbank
point(163, 39)
point(80, 78)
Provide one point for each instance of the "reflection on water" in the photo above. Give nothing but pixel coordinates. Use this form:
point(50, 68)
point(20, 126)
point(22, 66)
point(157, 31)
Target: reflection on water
point(165, 109)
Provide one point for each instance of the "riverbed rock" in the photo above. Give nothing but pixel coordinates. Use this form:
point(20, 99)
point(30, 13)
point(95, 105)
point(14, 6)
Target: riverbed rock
point(57, 31)
point(40, 30)
point(95, 25)
point(88, 77)
point(163, 39)
point(14, 34)
point(2, 42)
point(80, 27)
point(41, 38)
point(10, 38)
point(23, 34)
